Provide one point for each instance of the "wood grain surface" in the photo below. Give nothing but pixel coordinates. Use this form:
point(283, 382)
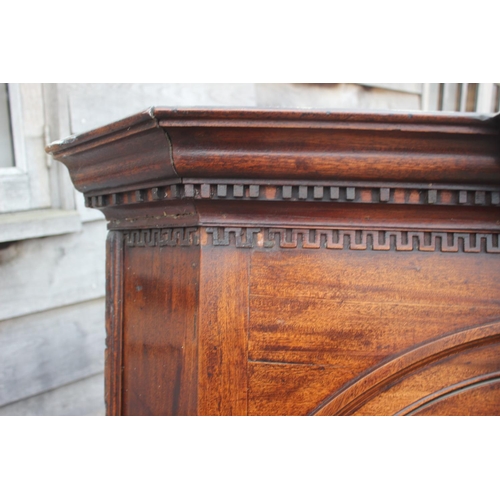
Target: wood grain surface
point(164, 144)
point(114, 323)
point(223, 331)
point(477, 400)
point(349, 311)
point(160, 331)
point(451, 362)
point(298, 262)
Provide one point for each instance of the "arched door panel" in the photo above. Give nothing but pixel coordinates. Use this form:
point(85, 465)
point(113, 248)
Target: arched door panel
point(455, 374)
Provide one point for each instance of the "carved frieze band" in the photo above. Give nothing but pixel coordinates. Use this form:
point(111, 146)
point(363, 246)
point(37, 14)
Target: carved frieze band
point(331, 239)
point(169, 237)
point(317, 193)
point(352, 239)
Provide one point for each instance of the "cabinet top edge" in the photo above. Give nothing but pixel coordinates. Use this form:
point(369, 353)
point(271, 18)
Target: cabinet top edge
point(343, 119)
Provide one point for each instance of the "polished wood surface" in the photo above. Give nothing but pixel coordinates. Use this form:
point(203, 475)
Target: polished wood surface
point(334, 317)
point(298, 263)
point(159, 334)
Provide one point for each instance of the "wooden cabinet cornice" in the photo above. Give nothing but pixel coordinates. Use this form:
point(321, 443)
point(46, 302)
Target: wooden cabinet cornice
point(297, 262)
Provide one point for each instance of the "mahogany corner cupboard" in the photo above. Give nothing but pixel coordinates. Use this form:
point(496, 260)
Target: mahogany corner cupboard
point(297, 263)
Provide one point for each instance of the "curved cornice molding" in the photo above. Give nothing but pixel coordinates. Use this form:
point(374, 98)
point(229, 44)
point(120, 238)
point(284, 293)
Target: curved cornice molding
point(165, 146)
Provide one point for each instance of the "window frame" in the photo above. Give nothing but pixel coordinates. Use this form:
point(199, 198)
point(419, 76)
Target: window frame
point(14, 179)
point(36, 199)
point(454, 96)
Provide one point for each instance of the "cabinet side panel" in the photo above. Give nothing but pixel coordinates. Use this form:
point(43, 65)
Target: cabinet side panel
point(114, 317)
point(320, 319)
point(223, 330)
point(159, 344)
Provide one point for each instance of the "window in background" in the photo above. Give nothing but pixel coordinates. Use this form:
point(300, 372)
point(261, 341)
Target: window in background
point(6, 146)
point(468, 97)
point(31, 188)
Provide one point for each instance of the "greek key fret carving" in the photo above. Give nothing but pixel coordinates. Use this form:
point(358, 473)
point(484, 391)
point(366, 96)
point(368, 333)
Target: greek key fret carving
point(354, 239)
point(330, 239)
point(170, 237)
point(422, 241)
point(243, 237)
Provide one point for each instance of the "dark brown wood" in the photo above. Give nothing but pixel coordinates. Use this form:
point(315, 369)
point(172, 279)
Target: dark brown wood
point(162, 146)
point(160, 353)
point(114, 323)
point(298, 263)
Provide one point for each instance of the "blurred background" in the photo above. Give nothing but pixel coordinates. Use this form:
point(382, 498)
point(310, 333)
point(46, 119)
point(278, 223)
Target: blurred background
point(52, 248)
